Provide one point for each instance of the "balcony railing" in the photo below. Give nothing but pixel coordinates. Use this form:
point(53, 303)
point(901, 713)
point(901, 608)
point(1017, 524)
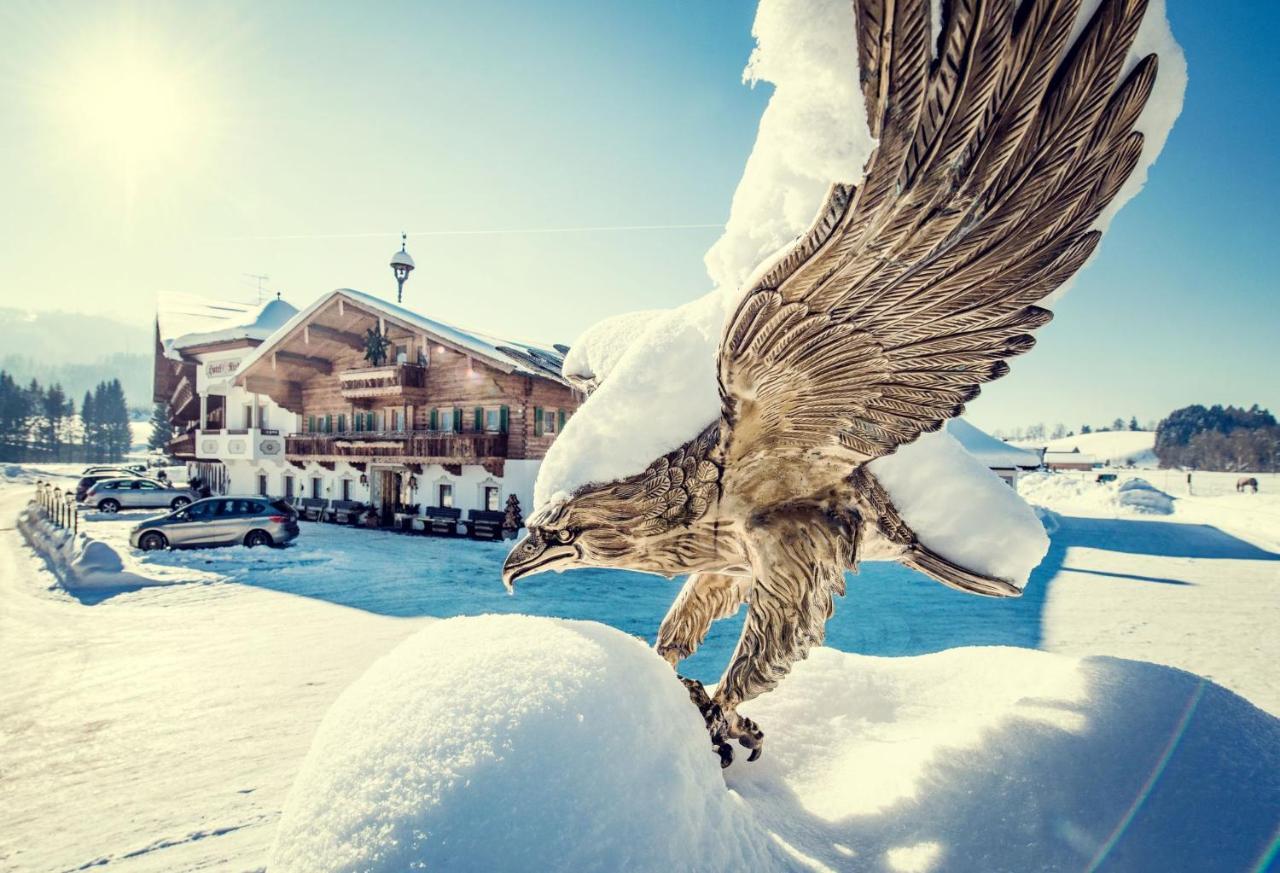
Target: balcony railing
point(183, 445)
point(392, 380)
point(183, 394)
point(398, 444)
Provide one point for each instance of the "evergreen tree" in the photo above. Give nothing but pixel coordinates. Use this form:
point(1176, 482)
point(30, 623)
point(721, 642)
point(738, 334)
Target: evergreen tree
point(113, 412)
point(1084, 429)
point(1133, 423)
point(90, 433)
point(160, 428)
point(54, 411)
point(1218, 438)
point(14, 414)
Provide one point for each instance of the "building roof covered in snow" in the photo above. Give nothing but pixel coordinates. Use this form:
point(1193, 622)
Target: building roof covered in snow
point(506, 355)
point(185, 320)
point(994, 453)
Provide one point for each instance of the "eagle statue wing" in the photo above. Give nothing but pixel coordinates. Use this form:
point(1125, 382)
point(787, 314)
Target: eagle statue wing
point(993, 162)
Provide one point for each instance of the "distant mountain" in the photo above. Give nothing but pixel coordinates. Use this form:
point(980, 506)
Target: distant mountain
point(77, 351)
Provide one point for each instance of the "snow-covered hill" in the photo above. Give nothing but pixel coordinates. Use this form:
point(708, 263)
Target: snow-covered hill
point(1118, 448)
point(519, 743)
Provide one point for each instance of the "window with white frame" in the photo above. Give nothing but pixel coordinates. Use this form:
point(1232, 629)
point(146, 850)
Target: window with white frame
point(492, 495)
point(446, 421)
point(548, 421)
point(445, 492)
point(493, 419)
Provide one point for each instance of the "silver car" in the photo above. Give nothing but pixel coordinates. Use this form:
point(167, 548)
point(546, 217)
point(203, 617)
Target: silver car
point(220, 521)
point(112, 495)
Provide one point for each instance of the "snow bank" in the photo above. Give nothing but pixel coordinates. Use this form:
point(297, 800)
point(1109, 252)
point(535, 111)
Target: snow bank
point(79, 561)
point(515, 743)
point(1141, 495)
point(1082, 493)
point(961, 509)
point(594, 354)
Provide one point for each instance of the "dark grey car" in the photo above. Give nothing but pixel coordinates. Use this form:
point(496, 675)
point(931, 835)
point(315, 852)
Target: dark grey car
point(220, 521)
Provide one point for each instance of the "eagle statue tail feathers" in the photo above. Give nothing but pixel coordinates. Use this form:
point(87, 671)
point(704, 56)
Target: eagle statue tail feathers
point(925, 560)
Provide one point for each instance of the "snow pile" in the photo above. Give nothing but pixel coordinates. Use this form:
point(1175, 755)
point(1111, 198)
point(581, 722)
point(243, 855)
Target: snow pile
point(1084, 494)
point(813, 132)
point(961, 509)
point(515, 743)
point(1141, 495)
point(79, 560)
point(660, 393)
point(594, 354)
point(508, 742)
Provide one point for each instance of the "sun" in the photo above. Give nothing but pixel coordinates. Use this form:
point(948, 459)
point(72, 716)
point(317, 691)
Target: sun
point(133, 109)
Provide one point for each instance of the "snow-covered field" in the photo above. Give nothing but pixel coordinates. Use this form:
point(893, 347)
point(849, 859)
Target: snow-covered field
point(1118, 448)
point(162, 728)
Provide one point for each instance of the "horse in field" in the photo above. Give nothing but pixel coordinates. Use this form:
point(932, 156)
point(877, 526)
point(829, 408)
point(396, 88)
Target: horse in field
point(1247, 482)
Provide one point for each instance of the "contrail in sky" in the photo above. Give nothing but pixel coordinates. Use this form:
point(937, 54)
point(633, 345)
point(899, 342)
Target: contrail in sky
point(490, 232)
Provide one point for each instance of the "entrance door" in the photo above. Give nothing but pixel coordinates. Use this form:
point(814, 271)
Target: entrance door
point(388, 495)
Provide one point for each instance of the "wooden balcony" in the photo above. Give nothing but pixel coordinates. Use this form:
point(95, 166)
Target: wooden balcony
point(184, 395)
point(407, 382)
point(419, 446)
point(182, 446)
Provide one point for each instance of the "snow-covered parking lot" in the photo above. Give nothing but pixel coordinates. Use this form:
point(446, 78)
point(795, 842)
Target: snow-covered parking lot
point(161, 728)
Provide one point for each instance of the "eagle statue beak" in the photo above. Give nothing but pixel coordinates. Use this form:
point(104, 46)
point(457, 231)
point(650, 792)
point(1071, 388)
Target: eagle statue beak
point(534, 554)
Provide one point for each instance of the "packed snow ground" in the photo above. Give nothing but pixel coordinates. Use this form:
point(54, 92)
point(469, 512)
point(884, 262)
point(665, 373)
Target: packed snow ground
point(161, 729)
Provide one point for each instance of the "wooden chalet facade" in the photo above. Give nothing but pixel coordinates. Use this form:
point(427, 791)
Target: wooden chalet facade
point(452, 419)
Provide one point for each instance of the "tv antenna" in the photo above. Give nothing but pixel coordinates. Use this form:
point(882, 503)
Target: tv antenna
point(260, 279)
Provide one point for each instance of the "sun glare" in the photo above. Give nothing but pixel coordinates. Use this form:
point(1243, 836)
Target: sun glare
point(129, 109)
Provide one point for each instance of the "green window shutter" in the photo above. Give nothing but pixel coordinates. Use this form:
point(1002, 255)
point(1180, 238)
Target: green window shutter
point(504, 420)
point(479, 419)
point(537, 421)
point(560, 421)
point(435, 419)
point(342, 424)
point(311, 424)
point(328, 423)
point(457, 419)
point(357, 419)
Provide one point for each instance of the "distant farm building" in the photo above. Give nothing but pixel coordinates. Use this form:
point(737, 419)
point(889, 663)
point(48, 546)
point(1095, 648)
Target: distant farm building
point(1072, 460)
point(1006, 461)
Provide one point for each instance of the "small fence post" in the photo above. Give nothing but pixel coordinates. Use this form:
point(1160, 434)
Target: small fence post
point(73, 516)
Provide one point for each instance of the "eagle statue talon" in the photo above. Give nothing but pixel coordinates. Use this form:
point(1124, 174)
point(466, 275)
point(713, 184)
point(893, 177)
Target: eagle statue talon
point(724, 727)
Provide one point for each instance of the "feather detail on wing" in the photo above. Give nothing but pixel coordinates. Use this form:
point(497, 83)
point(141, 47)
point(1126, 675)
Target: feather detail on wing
point(909, 292)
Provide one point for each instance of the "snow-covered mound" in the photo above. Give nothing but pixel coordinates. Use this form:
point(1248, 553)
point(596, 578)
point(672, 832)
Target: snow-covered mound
point(514, 743)
point(1119, 448)
point(1083, 493)
point(79, 561)
point(1141, 495)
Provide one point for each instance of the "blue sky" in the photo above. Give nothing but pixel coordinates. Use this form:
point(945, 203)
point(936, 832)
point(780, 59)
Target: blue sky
point(296, 140)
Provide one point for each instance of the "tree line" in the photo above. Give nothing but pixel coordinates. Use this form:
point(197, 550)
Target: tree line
point(39, 423)
point(1221, 438)
point(1039, 431)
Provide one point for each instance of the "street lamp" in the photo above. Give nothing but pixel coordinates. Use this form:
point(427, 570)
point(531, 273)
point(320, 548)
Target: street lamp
point(402, 265)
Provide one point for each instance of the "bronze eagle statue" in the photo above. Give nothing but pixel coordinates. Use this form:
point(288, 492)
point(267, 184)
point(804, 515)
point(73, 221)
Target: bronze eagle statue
point(993, 161)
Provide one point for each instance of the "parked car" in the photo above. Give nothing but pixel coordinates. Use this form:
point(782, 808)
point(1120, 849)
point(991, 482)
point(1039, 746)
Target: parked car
point(112, 495)
point(220, 521)
point(88, 480)
point(121, 469)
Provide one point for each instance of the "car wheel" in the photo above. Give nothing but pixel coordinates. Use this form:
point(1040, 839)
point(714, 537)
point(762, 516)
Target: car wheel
point(179, 502)
point(153, 542)
point(109, 505)
point(257, 538)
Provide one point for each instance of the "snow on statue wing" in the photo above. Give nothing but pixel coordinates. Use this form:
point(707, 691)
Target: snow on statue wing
point(993, 163)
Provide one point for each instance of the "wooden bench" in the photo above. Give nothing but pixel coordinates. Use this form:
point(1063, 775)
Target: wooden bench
point(312, 508)
point(441, 521)
point(484, 525)
point(345, 511)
